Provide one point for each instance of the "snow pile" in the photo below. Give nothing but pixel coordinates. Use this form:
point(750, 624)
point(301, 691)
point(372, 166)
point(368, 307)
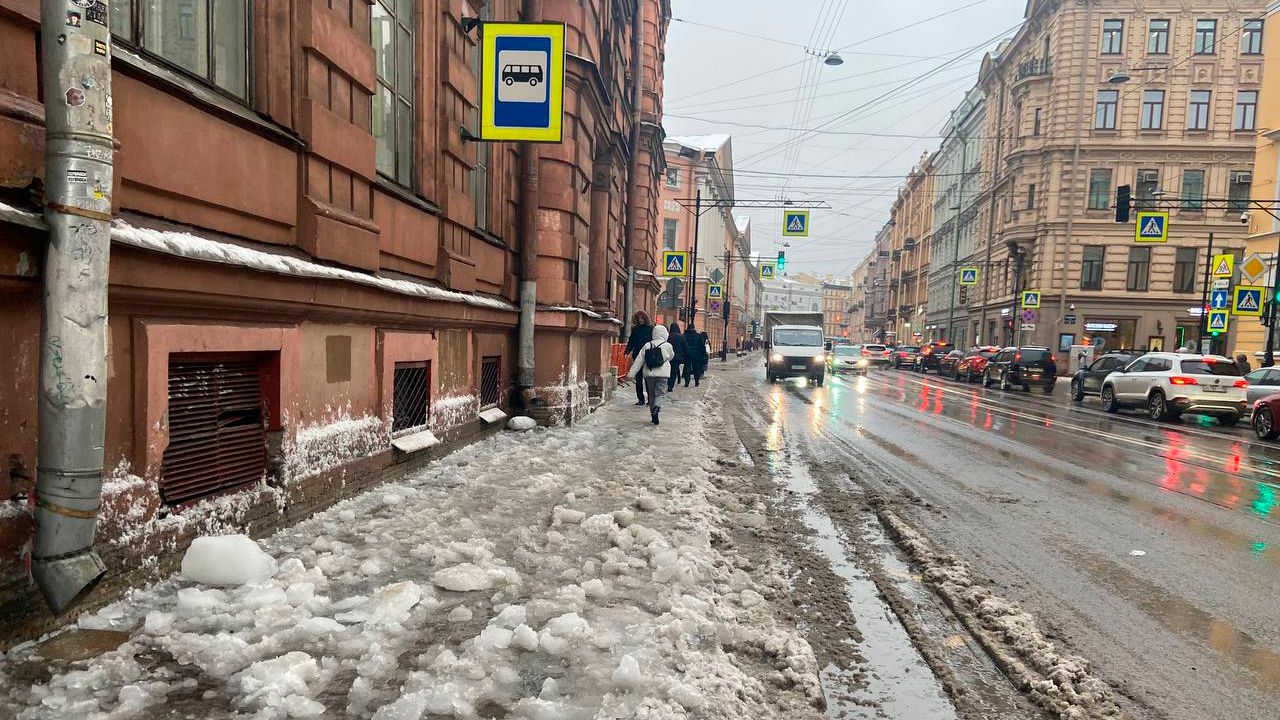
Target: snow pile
point(125, 504)
point(227, 560)
point(584, 584)
point(1062, 684)
point(453, 411)
point(521, 423)
point(320, 447)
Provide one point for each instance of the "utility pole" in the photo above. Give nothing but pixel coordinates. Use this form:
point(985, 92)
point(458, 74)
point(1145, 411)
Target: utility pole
point(724, 301)
point(1204, 295)
point(693, 259)
point(72, 409)
point(1269, 355)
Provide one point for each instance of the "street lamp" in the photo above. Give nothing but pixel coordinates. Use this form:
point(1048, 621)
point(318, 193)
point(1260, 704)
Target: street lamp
point(834, 59)
point(1122, 76)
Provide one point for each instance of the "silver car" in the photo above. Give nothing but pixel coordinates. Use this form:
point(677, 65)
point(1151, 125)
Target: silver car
point(1167, 385)
point(1263, 382)
point(848, 358)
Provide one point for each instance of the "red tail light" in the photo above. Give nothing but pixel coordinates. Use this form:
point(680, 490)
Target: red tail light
point(1179, 380)
point(1241, 384)
point(1052, 359)
point(866, 353)
point(1017, 356)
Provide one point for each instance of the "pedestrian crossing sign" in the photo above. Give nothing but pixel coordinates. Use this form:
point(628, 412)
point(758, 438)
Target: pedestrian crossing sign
point(675, 263)
point(1030, 299)
point(1218, 321)
point(968, 276)
point(715, 292)
point(767, 270)
point(1248, 301)
point(795, 223)
point(1152, 227)
point(1224, 265)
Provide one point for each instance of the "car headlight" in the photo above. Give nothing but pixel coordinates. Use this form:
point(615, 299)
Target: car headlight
point(862, 362)
point(776, 357)
point(820, 357)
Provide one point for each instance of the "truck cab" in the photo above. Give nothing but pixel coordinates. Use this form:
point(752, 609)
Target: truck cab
point(797, 351)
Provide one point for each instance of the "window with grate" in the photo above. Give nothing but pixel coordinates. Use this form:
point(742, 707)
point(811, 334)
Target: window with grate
point(410, 396)
point(490, 381)
point(217, 428)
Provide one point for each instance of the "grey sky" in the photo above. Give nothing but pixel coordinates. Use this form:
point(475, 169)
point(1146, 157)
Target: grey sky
point(702, 61)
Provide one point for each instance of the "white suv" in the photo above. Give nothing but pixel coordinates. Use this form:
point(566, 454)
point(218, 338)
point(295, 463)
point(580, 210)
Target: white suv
point(1170, 384)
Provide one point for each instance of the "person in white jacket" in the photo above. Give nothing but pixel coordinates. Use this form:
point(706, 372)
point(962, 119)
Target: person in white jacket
point(655, 378)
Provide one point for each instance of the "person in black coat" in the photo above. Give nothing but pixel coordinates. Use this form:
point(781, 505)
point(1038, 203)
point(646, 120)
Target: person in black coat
point(682, 354)
point(696, 349)
point(641, 334)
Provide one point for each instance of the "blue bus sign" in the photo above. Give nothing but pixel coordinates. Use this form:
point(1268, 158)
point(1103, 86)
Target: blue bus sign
point(522, 82)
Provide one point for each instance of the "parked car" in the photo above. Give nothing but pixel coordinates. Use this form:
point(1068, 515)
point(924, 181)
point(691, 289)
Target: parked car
point(1266, 416)
point(905, 356)
point(1262, 382)
point(1026, 366)
point(972, 366)
point(876, 354)
point(1088, 380)
point(1170, 384)
point(929, 355)
point(947, 363)
point(848, 359)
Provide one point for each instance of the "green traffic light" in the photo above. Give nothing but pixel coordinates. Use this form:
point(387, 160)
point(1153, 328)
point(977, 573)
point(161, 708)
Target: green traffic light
point(1215, 333)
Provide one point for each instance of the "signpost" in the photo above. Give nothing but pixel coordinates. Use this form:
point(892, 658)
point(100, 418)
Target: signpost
point(1223, 266)
point(1253, 269)
point(767, 270)
point(1031, 299)
point(968, 276)
point(522, 81)
point(1152, 227)
point(715, 292)
point(675, 263)
point(1218, 321)
point(1218, 299)
point(1248, 301)
point(795, 223)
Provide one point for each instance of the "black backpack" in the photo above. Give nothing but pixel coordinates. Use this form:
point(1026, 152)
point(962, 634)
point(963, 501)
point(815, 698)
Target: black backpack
point(653, 357)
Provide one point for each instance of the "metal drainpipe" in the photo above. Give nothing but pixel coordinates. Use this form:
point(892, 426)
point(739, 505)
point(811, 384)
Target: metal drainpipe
point(633, 170)
point(73, 331)
point(531, 10)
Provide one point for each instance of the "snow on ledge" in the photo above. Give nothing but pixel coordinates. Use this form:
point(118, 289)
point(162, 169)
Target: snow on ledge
point(415, 442)
point(492, 415)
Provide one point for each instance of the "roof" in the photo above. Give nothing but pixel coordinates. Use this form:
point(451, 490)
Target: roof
point(701, 143)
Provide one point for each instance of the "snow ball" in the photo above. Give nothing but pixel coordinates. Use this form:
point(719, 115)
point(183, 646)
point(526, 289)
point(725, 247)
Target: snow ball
point(594, 588)
point(567, 624)
point(599, 526)
point(624, 517)
point(550, 689)
point(464, 577)
point(627, 676)
point(460, 614)
point(525, 638)
point(347, 515)
point(565, 516)
point(646, 503)
point(494, 638)
point(511, 616)
point(227, 560)
point(316, 627)
point(520, 423)
point(392, 499)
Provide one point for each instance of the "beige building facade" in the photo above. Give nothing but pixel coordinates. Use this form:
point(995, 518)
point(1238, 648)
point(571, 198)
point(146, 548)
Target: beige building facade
point(911, 225)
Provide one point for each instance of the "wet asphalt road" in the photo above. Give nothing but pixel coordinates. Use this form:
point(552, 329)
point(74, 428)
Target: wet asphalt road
point(1049, 500)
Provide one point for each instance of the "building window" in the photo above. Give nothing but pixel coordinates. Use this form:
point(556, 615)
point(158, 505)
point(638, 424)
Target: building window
point(1246, 110)
point(1184, 270)
point(1148, 185)
point(1100, 188)
point(1112, 37)
point(490, 382)
point(207, 39)
point(1193, 190)
point(1158, 37)
point(673, 177)
point(1091, 267)
point(392, 35)
point(1035, 128)
point(669, 227)
point(1031, 196)
point(1105, 113)
point(1251, 37)
point(1206, 37)
point(410, 396)
point(1198, 110)
point(1152, 109)
point(1139, 269)
point(1240, 190)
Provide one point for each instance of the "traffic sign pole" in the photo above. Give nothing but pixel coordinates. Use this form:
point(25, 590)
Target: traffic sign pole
point(1204, 293)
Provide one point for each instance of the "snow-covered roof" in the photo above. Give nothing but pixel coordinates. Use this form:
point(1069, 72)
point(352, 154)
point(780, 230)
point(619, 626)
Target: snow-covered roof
point(701, 143)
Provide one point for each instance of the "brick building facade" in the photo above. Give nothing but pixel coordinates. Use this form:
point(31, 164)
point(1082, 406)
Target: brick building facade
point(300, 220)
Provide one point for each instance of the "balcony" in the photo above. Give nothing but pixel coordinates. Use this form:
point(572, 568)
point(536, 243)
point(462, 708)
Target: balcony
point(1035, 67)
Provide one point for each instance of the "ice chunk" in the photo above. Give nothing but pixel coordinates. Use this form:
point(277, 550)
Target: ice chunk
point(521, 423)
point(319, 627)
point(627, 676)
point(157, 622)
point(392, 499)
point(511, 616)
point(388, 606)
point(462, 613)
point(525, 638)
point(347, 515)
point(464, 577)
point(227, 560)
point(279, 682)
point(594, 588)
point(194, 602)
point(494, 638)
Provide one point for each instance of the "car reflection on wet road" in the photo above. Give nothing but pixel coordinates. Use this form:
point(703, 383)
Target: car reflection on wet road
point(1149, 548)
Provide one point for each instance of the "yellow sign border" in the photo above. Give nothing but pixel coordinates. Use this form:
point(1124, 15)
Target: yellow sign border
point(1137, 227)
point(773, 265)
point(1226, 321)
point(554, 133)
point(787, 233)
point(961, 281)
point(718, 286)
point(1231, 265)
point(1025, 293)
point(1235, 300)
point(667, 254)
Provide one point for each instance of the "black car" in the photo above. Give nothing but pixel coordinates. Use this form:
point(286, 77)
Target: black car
point(1026, 366)
point(947, 363)
point(1088, 380)
point(930, 354)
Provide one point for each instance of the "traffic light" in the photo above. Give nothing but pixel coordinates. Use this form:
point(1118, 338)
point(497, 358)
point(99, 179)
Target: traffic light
point(1269, 313)
point(1124, 194)
point(782, 260)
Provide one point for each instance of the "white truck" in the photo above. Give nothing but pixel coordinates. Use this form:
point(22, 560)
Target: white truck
point(796, 346)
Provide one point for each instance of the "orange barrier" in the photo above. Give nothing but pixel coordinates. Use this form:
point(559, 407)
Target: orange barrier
point(618, 358)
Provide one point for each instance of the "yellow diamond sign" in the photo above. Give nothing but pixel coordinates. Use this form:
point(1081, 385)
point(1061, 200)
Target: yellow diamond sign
point(1253, 267)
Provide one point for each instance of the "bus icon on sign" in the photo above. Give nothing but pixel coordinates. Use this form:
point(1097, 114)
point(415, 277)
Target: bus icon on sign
point(531, 74)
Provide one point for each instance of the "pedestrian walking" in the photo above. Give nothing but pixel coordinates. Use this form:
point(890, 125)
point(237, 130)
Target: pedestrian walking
point(1242, 362)
point(676, 338)
point(653, 363)
point(641, 334)
point(696, 355)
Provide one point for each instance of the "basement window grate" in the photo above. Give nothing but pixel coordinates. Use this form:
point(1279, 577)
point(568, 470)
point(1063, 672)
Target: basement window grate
point(217, 429)
point(411, 396)
point(490, 382)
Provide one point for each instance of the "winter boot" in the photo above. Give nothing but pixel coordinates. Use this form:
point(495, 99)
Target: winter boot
point(653, 416)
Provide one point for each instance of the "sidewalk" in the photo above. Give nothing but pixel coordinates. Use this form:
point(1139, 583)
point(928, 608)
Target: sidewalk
point(582, 572)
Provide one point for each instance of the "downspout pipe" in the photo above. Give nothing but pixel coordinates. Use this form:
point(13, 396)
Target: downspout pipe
point(633, 169)
point(72, 395)
point(531, 11)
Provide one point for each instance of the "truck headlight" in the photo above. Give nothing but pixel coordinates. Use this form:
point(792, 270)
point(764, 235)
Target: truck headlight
point(776, 357)
point(820, 357)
